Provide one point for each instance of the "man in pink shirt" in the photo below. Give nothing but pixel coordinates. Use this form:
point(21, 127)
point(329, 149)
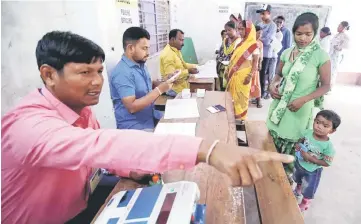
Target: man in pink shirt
point(51, 140)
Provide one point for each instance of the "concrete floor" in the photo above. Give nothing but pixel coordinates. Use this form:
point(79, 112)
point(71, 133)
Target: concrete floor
point(338, 199)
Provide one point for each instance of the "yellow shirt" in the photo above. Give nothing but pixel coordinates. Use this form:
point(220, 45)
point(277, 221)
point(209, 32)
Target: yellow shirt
point(171, 60)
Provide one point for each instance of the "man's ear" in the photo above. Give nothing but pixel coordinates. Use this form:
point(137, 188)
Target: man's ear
point(48, 74)
point(130, 47)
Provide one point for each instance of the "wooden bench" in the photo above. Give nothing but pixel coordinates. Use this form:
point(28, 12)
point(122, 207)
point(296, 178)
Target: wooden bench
point(276, 202)
point(207, 84)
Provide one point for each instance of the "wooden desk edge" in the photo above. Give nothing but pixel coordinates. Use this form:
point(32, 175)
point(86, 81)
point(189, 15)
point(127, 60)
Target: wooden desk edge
point(287, 189)
point(202, 80)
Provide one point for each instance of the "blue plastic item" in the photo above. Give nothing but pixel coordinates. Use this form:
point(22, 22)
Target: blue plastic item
point(199, 215)
point(303, 148)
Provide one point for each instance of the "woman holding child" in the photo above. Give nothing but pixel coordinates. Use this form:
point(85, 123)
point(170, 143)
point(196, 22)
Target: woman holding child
point(303, 77)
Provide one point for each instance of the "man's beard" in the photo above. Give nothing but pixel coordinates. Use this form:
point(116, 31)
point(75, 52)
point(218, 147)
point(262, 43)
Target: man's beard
point(141, 61)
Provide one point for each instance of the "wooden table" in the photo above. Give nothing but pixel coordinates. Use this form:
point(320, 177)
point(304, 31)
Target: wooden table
point(161, 101)
point(207, 84)
point(224, 203)
point(271, 201)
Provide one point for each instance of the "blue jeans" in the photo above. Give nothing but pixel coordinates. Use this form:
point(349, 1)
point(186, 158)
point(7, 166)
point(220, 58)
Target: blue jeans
point(308, 180)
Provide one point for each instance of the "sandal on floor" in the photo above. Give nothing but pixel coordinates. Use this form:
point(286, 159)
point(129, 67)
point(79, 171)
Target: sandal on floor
point(259, 104)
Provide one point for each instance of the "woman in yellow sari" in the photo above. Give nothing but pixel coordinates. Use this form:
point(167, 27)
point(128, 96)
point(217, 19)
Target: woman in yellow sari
point(243, 65)
point(225, 52)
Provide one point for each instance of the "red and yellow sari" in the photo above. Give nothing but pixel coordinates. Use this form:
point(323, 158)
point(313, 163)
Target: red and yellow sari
point(240, 68)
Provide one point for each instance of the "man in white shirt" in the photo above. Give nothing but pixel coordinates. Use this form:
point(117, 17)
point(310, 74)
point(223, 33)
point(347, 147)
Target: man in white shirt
point(325, 39)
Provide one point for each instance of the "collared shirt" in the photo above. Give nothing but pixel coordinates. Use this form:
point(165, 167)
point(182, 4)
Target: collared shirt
point(326, 43)
point(287, 39)
point(339, 42)
point(48, 151)
point(171, 60)
point(279, 38)
point(269, 34)
point(131, 79)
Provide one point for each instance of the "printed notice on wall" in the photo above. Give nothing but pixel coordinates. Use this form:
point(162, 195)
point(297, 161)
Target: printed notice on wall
point(127, 8)
point(223, 9)
point(126, 16)
point(126, 3)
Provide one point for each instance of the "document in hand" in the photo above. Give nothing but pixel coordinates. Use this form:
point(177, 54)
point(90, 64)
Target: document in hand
point(207, 70)
point(181, 108)
point(176, 129)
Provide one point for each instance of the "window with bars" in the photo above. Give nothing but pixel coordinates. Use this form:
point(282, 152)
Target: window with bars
point(154, 17)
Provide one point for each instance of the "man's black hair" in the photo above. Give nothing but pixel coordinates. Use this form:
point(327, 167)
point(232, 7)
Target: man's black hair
point(306, 18)
point(58, 48)
point(326, 30)
point(330, 116)
point(281, 18)
point(223, 31)
point(133, 34)
point(173, 33)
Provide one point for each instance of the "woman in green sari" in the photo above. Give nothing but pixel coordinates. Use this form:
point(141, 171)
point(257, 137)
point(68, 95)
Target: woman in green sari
point(303, 77)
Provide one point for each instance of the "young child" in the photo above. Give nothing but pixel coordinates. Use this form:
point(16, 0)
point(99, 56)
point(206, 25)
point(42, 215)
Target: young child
point(313, 152)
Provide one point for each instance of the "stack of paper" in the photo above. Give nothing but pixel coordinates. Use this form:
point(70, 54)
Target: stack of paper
point(207, 70)
point(176, 129)
point(181, 108)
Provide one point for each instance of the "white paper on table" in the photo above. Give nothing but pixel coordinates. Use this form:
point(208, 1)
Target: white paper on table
point(207, 70)
point(176, 129)
point(181, 108)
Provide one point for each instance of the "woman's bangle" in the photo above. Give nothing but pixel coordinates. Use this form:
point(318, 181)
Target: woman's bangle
point(211, 150)
point(160, 93)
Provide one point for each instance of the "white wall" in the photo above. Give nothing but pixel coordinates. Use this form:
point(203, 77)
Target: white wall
point(24, 23)
point(201, 20)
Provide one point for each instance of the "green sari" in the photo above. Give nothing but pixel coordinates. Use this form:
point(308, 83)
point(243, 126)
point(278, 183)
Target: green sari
point(300, 79)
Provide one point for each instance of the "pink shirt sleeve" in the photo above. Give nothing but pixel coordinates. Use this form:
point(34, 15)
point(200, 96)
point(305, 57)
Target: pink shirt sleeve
point(54, 143)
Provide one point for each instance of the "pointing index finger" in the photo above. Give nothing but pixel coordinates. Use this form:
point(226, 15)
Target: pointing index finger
point(264, 156)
